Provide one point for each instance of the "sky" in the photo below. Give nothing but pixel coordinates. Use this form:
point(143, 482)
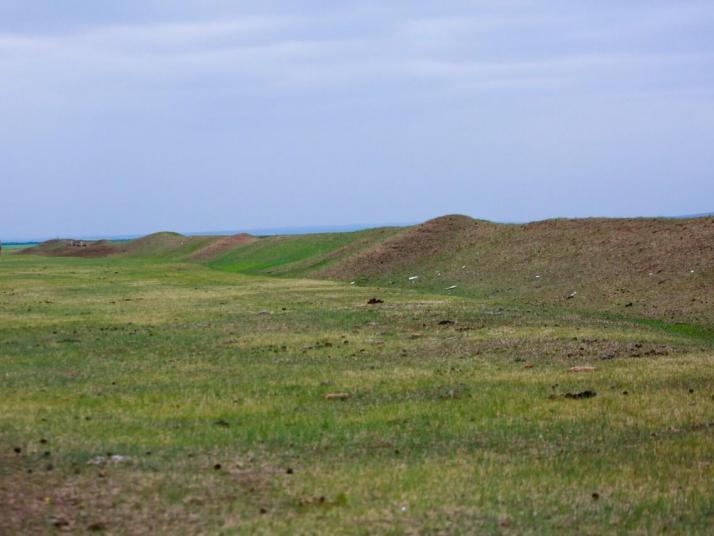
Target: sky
point(131, 117)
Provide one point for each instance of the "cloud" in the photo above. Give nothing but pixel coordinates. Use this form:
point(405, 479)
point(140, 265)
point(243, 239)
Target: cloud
point(298, 52)
point(310, 96)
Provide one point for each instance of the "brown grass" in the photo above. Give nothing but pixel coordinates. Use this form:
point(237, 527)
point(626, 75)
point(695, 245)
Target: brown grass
point(220, 246)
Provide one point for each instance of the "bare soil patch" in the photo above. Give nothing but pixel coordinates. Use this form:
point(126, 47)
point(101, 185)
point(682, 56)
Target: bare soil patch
point(221, 245)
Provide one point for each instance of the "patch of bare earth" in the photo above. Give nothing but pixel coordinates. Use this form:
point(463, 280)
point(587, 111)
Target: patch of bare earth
point(39, 498)
point(410, 247)
point(220, 246)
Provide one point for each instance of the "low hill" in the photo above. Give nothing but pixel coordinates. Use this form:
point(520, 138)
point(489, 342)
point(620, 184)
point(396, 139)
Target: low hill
point(646, 268)
point(166, 245)
point(163, 246)
point(658, 268)
point(74, 248)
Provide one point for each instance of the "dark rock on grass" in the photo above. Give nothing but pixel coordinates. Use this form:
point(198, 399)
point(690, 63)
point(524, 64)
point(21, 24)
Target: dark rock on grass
point(581, 395)
point(223, 423)
point(374, 301)
point(339, 500)
point(17, 450)
point(60, 522)
point(97, 526)
point(446, 322)
point(217, 467)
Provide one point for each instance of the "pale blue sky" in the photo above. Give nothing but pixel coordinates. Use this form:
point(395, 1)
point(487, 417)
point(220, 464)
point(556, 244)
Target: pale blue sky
point(142, 115)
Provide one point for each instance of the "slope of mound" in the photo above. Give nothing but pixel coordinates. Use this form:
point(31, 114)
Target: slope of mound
point(155, 243)
point(74, 248)
point(412, 247)
point(658, 268)
point(221, 246)
point(49, 247)
point(166, 245)
point(297, 255)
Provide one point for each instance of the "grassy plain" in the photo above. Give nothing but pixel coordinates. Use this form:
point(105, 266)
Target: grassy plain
point(214, 385)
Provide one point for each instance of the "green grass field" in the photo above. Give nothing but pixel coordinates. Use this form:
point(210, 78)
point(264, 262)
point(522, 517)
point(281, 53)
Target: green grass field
point(462, 415)
point(14, 247)
point(298, 256)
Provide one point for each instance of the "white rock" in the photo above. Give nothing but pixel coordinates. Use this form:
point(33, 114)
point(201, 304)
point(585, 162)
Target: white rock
point(114, 458)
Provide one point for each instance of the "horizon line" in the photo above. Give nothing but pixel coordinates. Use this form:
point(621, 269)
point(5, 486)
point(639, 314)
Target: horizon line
point(316, 229)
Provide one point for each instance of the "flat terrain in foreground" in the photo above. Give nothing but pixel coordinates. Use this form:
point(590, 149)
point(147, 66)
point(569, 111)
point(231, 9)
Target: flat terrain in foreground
point(143, 396)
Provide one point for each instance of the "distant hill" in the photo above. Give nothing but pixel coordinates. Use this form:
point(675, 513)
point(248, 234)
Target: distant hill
point(660, 268)
point(706, 215)
point(71, 248)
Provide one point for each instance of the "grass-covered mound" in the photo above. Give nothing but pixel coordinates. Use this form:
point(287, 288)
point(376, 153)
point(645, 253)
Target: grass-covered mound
point(651, 268)
point(74, 248)
point(656, 268)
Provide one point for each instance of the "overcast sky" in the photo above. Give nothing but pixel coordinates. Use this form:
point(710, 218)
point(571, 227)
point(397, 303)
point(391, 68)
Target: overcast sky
point(132, 116)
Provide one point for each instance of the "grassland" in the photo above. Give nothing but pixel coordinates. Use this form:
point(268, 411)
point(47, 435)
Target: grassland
point(213, 384)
